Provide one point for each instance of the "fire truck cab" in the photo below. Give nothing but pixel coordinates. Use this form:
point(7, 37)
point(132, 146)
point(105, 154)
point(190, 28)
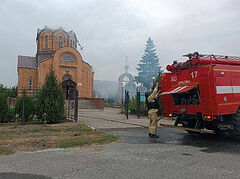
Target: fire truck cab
point(203, 92)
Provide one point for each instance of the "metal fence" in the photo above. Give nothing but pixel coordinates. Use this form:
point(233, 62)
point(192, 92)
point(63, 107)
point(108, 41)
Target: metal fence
point(71, 102)
point(126, 103)
point(140, 99)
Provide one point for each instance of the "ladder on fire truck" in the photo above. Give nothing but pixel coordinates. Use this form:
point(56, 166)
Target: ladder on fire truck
point(196, 54)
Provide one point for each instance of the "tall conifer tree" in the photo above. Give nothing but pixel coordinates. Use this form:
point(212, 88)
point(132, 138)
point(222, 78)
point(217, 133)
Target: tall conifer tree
point(148, 66)
point(50, 103)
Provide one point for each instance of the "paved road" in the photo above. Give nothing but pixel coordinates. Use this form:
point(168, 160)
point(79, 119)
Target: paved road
point(176, 154)
point(112, 118)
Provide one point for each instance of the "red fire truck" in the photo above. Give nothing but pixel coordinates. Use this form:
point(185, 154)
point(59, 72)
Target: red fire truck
point(203, 93)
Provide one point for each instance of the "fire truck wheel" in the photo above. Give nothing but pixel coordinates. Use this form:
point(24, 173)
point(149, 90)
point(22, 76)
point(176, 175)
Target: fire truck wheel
point(235, 122)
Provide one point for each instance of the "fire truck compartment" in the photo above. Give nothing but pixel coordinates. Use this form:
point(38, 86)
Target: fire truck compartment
point(184, 95)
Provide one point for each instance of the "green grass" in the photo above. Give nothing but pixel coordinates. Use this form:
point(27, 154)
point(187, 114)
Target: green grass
point(27, 137)
point(5, 151)
point(4, 136)
point(98, 138)
point(80, 127)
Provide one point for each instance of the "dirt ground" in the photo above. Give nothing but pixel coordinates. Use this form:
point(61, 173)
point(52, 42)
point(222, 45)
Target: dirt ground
point(33, 137)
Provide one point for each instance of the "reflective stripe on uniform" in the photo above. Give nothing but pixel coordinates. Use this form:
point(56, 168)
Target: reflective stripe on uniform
point(152, 129)
point(152, 111)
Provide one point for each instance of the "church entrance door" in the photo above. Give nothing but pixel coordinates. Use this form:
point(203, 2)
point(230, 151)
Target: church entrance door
point(69, 89)
point(71, 98)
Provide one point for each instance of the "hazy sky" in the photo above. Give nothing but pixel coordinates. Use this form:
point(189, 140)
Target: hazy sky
point(110, 30)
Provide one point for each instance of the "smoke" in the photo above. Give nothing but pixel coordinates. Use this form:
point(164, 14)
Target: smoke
point(111, 30)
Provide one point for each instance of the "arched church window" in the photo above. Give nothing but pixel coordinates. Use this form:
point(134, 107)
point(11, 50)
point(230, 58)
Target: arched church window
point(70, 43)
point(30, 84)
point(46, 41)
point(60, 42)
point(67, 58)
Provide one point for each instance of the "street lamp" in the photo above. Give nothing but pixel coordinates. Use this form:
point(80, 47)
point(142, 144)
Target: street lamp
point(67, 70)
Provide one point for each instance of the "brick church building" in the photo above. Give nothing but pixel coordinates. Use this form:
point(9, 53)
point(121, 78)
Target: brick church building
point(56, 50)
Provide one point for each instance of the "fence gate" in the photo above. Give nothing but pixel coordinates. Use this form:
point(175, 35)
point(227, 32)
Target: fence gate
point(72, 104)
point(71, 96)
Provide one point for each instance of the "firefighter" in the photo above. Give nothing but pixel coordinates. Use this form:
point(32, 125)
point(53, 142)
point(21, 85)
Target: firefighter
point(153, 106)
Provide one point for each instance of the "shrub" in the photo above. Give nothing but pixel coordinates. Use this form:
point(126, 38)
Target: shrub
point(132, 107)
point(29, 108)
point(10, 92)
point(143, 109)
point(3, 107)
point(10, 115)
point(6, 113)
point(50, 102)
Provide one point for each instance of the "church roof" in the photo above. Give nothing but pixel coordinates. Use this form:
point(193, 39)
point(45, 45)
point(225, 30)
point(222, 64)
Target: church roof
point(54, 30)
point(41, 55)
point(27, 62)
